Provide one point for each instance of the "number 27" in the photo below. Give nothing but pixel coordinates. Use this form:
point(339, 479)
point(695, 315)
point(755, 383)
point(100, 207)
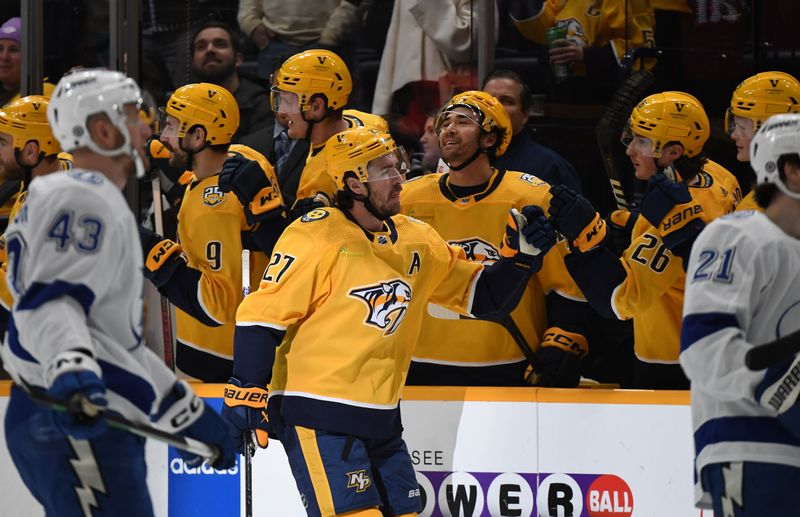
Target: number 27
point(276, 259)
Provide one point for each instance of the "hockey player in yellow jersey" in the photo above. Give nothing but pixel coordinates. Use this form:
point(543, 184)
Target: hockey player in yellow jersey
point(756, 99)
point(27, 149)
point(344, 296)
point(665, 137)
point(467, 207)
point(312, 89)
point(201, 275)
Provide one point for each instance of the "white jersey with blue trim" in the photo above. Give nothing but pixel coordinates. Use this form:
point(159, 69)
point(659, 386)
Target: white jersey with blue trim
point(742, 291)
point(75, 274)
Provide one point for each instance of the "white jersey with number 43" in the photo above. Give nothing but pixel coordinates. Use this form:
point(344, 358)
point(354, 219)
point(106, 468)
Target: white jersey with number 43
point(75, 273)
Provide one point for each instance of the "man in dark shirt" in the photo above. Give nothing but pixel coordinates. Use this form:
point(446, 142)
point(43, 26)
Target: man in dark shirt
point(216, 59)
point(523, 153)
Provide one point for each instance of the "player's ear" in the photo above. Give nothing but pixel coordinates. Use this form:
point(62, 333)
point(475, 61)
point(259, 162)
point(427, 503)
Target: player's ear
point(103, 132)
point(791, 170)
point(355, 186)
point(487, 140)
point(674, 151)
point(30, 152)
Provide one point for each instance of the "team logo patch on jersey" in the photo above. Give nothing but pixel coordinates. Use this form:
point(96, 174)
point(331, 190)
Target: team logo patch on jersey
point(387, 303)
point(478, 250)
point(533, 180)
point(314, 215)
point(213, 196)
point(359, 480)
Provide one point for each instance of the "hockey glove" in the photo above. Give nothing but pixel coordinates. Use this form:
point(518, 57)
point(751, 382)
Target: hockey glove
point(252, 186)
point(183, 412)
point(161, 256)
point(246, 408)
point(620, 225)
point(528, 238)
point(576, 219)
point(558, 360)
point(160, 155)
point(304, 205)
point(779, 391)
point(669, 207)
point(74, 375)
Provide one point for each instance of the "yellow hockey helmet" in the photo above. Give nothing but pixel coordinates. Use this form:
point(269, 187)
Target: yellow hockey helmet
point(490, 115)
point(759, 97)
point(353, 149)
point(25, 119)
point(669, 117)
point(313, 72)
point(207, 105)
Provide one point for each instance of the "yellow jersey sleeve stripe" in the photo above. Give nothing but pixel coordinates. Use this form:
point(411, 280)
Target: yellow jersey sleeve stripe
point(316, 469)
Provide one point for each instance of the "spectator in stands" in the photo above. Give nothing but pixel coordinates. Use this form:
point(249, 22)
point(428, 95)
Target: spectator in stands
point(216, 57)
point(429, 41)
point(430, 147)
point(598, 35)
point(10, 61)
point(523, 153)
point(166, 28)
point(280, 27)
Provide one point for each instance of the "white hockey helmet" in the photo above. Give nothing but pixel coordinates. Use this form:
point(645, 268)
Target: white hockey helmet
point(87, 92)
point(778, 136)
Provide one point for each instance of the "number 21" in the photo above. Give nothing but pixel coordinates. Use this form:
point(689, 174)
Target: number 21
point(707, 259)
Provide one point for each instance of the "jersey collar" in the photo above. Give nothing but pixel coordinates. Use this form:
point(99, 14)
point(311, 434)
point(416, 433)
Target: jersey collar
point(387, 235)
point(494, 182)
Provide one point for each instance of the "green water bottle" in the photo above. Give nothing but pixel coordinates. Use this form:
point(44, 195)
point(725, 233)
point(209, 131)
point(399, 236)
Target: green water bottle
point(560, 71)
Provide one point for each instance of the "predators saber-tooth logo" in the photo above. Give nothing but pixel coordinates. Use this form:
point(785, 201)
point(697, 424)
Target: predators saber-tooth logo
point(387, 302)
point(359, 480)
point(478, 250)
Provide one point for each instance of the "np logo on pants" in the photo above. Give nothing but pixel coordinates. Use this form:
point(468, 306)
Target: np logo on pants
point(358, 480)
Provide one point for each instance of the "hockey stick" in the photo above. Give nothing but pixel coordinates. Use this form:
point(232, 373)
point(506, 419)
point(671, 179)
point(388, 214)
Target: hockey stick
point(166, 310)
point(249, 442)
point(764, 356)
point(80, 405)
point(613, 121)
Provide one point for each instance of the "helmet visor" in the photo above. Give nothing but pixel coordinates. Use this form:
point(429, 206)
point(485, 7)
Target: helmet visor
point(390, 166)
point(167, 124)
point(641, 145)
point(283, 101)
point(450, 117)
point(739, 126)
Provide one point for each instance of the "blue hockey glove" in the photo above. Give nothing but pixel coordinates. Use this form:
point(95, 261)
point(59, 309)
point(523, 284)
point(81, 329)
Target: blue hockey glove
point(73, 375)
point(161, 256)
point(181, 411)
point(558, 360)
point(779, 391)
point(670, 208)
point(661, 196)
point(252, 187)
point(529, 236)
point(576, 219)
point(246, 408)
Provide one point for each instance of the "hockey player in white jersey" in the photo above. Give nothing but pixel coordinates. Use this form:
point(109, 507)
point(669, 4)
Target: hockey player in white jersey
point(75, 272)
point(743, 291)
